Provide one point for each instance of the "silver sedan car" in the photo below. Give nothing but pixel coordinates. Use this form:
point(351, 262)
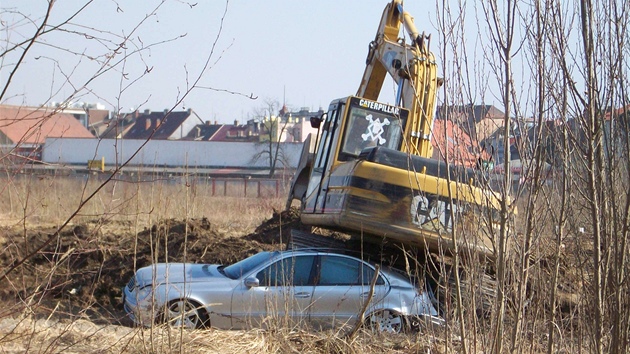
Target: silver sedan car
point(299, 287)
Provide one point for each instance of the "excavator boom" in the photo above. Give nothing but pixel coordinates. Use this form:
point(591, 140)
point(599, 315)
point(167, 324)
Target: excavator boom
point(414, 69)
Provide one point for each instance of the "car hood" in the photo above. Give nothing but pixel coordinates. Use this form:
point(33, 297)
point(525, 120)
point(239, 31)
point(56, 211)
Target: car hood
point(160, 273)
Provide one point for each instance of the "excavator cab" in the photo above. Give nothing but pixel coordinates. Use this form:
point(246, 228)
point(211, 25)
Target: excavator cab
point(350, 126)
point(369, 124)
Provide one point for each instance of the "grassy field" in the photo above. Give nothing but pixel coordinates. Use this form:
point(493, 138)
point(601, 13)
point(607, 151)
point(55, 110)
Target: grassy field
point(49, 200)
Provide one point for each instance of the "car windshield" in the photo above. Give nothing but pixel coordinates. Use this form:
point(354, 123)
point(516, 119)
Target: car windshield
point(237, 269)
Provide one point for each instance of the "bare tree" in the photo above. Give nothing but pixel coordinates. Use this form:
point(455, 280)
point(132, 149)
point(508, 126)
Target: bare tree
point(274, 126)
point(595, 84)
point(575, 78)
point(501, 20)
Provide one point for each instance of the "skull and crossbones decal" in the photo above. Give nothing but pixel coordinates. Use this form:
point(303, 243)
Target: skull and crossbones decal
point(375, 129)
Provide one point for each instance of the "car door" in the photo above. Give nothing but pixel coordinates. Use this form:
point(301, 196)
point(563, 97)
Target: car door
point(282, 298)
point(343, 286)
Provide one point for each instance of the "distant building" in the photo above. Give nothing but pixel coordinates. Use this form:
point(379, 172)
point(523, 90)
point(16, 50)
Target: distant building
point(225, 132)
point(204, 132)
point(617, 131)
point(449, 138)
point(291, 127)
point(88, 114)
point(163, 125)
point(298, 129)
point(23, 130)
point(115, 127)
point(478, 121)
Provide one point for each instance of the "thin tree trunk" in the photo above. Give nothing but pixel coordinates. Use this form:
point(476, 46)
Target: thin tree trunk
point(593, 172)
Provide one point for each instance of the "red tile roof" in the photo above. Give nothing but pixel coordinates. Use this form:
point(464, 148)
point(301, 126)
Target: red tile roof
point(96, 116)
point(617, 112)
point(31, 125)
point(461, 148)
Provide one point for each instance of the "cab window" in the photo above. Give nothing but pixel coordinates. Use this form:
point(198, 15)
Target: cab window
point(365, 129)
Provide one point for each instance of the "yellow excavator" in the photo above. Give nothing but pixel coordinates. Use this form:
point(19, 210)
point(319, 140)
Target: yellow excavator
point(369, 170)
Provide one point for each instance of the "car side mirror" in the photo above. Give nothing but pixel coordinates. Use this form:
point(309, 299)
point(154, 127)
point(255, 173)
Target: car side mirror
point(252, 282)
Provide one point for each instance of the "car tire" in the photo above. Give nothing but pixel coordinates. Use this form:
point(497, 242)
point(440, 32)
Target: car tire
point(185, 313)
point(386, 321)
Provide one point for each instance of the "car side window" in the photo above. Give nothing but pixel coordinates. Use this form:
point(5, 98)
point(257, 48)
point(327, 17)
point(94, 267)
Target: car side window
point(288, 271)
point(336, 270)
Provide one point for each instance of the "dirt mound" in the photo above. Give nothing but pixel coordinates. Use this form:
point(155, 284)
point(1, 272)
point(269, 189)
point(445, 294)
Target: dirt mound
point(277, 229)
point(85, 264)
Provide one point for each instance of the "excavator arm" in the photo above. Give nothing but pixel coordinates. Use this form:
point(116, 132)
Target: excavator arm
point(412, 67)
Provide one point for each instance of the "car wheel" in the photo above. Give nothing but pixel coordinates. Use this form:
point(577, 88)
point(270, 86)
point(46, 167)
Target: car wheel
point(386, 321)
point(185, 313)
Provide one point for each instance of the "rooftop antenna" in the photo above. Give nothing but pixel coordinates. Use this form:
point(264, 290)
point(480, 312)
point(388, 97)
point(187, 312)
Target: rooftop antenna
point(283, 109)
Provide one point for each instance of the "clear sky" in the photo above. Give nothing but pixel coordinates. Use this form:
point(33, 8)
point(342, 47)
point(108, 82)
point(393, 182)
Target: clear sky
point(306, 52)
point(309, 51)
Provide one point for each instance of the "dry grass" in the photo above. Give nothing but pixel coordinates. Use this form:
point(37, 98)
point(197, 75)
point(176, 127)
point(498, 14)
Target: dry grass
point(48, 200)
point(82, 336)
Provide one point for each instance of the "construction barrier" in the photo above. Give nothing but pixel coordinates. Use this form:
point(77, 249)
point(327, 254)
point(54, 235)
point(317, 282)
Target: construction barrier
point(97, 164)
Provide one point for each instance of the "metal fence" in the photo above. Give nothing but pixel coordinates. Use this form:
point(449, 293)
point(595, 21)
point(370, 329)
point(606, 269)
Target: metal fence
point(241, 186)
point(247, 187)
